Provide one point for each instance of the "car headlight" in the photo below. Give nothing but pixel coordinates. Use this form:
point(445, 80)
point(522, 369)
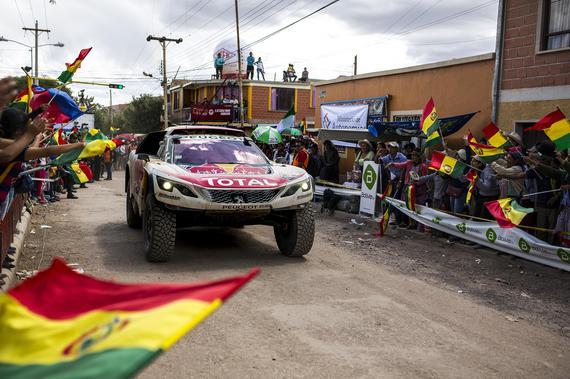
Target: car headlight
point(168, 186)
point(303, 186)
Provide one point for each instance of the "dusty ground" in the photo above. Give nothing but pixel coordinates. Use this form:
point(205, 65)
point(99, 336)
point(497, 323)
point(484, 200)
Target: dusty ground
point(403, 306)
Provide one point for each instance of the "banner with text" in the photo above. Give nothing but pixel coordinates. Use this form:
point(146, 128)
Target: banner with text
point(344, 117)
point(513, 241)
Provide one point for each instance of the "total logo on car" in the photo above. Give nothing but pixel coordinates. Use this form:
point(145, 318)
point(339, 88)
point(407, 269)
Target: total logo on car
point(190, 176)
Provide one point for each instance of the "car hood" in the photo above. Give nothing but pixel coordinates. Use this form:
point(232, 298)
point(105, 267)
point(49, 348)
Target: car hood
point(233, 175)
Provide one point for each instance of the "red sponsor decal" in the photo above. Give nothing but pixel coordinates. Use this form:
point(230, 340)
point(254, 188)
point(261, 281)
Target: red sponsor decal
point(236, 181)
point(250, 170)
point(207, 169)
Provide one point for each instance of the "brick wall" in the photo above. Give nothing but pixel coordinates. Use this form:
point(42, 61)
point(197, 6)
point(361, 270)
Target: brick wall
point(260, 112)
point(522, 66)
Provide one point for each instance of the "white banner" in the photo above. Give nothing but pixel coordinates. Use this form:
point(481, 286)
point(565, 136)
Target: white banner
point(344, 117)
point(512, 240)
point(369, 184)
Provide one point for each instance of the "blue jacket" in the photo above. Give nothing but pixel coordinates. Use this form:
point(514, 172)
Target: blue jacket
point(250, 60)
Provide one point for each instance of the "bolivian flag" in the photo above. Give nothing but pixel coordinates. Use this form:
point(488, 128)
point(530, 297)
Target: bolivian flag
point(494, 136)
point(556, 127)
point(487, 153)
point(91, 149)
point(444, 163)
point(66, 75)
point(22, 100)
point(507, 212)
point(411, 197)
point(433, 139)
point(96, 134)
point(429, 122)
point(58, 138)
point(471, 176)
point(77, 173)
point(62, 324)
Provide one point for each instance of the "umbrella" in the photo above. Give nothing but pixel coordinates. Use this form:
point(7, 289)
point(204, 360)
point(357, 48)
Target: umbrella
point(292, 132)
point(267, 134)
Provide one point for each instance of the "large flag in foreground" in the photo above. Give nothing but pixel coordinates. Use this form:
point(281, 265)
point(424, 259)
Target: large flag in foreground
point(288, 121)
point(64, 324)
point(507, 212)
point(61, 110)
point(556, 127)
point(66, 75)
point(91, 149)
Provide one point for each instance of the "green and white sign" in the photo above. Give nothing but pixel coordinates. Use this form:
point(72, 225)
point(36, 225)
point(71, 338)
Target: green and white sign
point(369, 184)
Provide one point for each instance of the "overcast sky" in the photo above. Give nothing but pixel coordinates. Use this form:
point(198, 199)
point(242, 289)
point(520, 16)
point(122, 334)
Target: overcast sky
point(385, 34)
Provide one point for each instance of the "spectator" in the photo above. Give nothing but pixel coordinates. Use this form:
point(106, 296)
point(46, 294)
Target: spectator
point(511, 175)
point(260, 68)
point(486, 188)
point(330, 169)
point(365, 153)
point(219, 65)
point(304, 75)
point(381, 152)
point(250, 62)
point(409, 149)
point(301, 155)
point(290, 74)
point(108, 161)
point(315, 161)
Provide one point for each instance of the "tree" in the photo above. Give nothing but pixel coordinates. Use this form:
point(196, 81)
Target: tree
point(142, 115)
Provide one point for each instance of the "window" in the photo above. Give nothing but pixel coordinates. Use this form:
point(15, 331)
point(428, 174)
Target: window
point(555, 24)
point(282, 99)
point(175, 100)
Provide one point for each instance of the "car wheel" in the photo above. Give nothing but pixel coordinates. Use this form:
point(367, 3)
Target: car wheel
point(134, 220)
point(159, 227)
point(295, 236)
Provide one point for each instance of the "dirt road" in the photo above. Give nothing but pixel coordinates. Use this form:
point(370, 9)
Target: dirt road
point(334, 314)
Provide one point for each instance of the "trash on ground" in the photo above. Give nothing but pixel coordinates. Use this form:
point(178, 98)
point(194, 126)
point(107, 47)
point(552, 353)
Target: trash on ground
point(25, 274)
point(349, 242)
point(502, 281)
point(477, 260)
point(512, 319)
point(33, 231)
point(76, 267)
point(353, 221)
point(459, 291)
point(45, 227)
point(525, 295)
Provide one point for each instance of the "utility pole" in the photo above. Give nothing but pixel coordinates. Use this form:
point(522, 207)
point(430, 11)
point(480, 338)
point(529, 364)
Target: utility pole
point(163, 42)
point(240, 81)
point(110, 107)
point(355, 64)
point(37, 31)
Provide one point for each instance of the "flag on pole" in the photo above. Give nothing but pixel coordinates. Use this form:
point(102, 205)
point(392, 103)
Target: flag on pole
point(22, 100)
point(58, 138)
point(96, 134)
point(384, 221)
point(303, 125)
point(434, 139)
point(507, 212)
point(557, 128)
point(444, 163)
point(61, 110)
point(77, 173)
point(66, 75)
point(487, 153)
point(288, 121)
point(495, 137)
point(429, 122)
point(60, 323)
point(411, 198)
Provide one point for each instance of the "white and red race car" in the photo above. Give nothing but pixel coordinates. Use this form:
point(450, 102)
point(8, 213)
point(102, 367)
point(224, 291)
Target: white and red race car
point(214, 176)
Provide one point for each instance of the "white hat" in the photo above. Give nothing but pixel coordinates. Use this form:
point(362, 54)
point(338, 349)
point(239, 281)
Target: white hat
point(516, 137)
point(393, 144)
point(462, 154)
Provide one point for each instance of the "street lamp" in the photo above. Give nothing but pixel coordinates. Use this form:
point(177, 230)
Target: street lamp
point(59, 44)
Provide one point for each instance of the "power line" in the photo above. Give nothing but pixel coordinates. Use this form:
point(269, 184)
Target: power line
point(401, 17)
point(422, 13)
point(19, 12)
point(32, 9)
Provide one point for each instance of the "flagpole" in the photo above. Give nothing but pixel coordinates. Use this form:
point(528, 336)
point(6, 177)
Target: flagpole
point(441, 135)
point(540, 193)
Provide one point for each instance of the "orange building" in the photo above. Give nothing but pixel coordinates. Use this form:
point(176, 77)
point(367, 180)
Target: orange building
point(265, 102)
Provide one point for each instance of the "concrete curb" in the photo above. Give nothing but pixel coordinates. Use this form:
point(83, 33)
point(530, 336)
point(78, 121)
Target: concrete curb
point(22, 229)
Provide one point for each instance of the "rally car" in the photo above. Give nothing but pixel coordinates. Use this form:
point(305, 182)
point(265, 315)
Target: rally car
point(189, 176)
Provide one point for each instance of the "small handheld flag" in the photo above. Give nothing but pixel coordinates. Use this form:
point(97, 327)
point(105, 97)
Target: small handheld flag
point(507, 212)
point(288, 121)
point(444, 163)
point(67, 75)
point(557, 128)
point(429, 122)
point(495, 137)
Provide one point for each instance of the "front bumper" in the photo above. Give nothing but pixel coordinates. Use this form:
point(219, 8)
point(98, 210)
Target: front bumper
point(232, 200)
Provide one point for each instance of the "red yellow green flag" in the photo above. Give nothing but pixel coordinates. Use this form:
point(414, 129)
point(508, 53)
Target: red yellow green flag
point(557, 128)
point(494, 136)
point(77, 173)
point(507, 212)
point(433, 139)
point(64, 324)
point(487, 153)
point(429, 122)
point(22, 100)
point(66, 75)
point(471, 176)
point(384, 222)
point(58, 138)
point(411, 198)
point(444, 163)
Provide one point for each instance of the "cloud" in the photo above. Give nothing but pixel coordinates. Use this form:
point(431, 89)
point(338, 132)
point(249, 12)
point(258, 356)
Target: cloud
point(382, 34)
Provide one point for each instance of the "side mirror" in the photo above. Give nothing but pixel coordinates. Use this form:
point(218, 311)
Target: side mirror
point(144, 157)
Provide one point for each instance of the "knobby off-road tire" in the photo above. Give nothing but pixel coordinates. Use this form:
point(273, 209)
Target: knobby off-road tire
point(295, 236)
point(134, 220)
point(159, 227)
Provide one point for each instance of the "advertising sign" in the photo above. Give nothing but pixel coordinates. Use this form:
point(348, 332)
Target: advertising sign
point(211, 113)
point(369, 184)
point(512, 241)
point(344, 117)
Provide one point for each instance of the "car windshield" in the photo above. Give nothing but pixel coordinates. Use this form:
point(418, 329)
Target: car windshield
point(199, 151)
